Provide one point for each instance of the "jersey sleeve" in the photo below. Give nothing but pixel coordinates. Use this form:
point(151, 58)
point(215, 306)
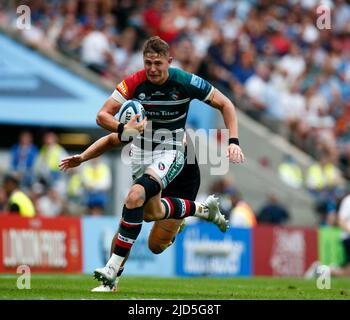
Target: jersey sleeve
point(199, 88)
point(125, 89)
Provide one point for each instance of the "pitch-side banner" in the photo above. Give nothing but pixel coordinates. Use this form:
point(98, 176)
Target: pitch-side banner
point(98, 233)
point(283, 251)
point(330, 246)
point(201, 250)
point(43, 244)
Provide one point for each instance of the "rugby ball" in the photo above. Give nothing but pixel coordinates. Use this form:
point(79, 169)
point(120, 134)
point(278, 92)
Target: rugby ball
point(128, 110)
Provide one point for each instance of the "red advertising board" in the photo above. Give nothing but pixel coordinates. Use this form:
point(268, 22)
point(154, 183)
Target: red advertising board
point(44, 244)
point(283, 251)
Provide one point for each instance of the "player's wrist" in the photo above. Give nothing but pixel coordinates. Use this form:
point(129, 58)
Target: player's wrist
point(233, 141)
point(120, 128)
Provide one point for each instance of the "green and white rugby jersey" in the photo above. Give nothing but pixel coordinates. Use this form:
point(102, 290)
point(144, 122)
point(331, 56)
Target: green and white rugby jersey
point(166, 105)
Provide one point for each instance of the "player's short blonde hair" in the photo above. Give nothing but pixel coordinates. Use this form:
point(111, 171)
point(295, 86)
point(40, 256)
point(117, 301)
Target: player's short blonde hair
point(156, 45)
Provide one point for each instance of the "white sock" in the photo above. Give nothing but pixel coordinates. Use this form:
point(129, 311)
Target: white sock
point(201, 211)
point(115, 261)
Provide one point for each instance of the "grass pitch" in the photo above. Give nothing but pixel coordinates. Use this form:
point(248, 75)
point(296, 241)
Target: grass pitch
point(77, 287)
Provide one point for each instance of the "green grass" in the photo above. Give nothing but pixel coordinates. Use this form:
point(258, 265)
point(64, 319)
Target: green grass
point(58, 286)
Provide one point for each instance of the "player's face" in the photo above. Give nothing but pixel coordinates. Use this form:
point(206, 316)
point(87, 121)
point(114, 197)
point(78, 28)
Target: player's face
point(156, 67)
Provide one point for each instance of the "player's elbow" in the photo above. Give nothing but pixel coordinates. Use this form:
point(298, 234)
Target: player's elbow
point(99, 119)
point(228, 105)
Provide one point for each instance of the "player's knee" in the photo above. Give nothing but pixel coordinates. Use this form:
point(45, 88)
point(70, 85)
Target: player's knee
point(151, 214)
point(147, 218)
point(150, 186)
point(134, 199)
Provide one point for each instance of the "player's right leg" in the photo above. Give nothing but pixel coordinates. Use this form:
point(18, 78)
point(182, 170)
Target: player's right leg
point(106, 288)
point(130, 225)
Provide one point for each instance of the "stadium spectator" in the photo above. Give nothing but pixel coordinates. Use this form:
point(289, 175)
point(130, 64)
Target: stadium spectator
point(293, 63)
point(185, 57)
point(3, 199)
point(241, 214)
point(96, 52)
point(344, 161)
point(23, 157)
point(97, 180)
point(321, 177)
point(290, 172)
point(258, 88)
point(46, 166)
point(70, 36)
point(76, 203)
point(50, 204)
point(344, 224)
point(273, 212)
point(17, 201)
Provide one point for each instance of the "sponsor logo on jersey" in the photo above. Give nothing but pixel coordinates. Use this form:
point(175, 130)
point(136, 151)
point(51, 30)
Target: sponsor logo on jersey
point(142, 96)
point(161, 166)
point(123, 88)
point(174, 94)
point(197, 82)
point(176, 166)
point(157, 93)
point(162, 113)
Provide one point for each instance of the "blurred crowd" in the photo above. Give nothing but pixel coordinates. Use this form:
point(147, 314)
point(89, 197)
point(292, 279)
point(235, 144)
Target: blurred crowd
point(34, 185)
point(279, 61)
point(240, 213)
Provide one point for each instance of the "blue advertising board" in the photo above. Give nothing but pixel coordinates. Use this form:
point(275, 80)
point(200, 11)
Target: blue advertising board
point(98, 233)
point(143, 262)
point(201, 250)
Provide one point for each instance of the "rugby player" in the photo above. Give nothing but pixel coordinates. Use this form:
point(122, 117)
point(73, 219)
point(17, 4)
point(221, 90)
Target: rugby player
point(163, 232)
point(157, 153)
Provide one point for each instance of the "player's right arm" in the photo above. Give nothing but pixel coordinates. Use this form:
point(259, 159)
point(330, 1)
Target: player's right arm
point(105, 116)
point(96, 149)
point(123, 92)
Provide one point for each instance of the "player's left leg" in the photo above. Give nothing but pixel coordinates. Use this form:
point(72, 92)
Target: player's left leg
point(166, 165)
point(162, 234)
point(185, 185)
point(176, 208)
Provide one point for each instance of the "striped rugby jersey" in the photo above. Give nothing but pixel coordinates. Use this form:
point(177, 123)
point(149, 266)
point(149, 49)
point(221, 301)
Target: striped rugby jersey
point(166, 105)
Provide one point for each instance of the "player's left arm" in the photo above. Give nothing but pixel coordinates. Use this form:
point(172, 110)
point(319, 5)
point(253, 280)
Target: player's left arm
point(99, 147)
point(219, 101)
